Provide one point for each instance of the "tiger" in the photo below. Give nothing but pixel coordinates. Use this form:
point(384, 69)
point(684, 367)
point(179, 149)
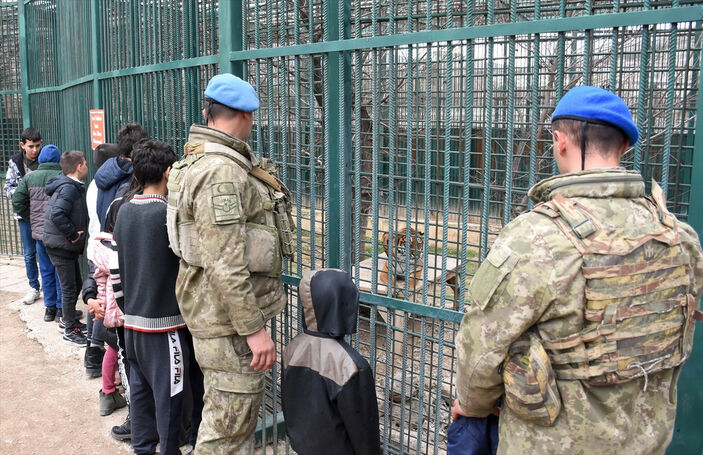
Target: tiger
point(398, 257)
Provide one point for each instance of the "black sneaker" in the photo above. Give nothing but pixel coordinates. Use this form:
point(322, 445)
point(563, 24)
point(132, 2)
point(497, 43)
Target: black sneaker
point(49, 313)
point(123, 432)
point(79, 324)
point(59, 314)
point(75, 337)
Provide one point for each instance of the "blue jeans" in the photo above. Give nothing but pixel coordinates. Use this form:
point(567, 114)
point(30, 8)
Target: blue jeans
point(473, 436)
point(29, 250)
point(49, 277)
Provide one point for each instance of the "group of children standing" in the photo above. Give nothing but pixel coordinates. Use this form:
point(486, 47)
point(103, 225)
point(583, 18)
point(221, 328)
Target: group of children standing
point(132, 306)
point(131, 282)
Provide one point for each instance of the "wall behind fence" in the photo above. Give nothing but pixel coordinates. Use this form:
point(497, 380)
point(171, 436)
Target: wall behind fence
point(422, 119)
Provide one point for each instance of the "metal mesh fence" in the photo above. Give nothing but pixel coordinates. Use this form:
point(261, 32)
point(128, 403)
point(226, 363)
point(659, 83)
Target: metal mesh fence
point(411, 128)
point(446, 137)
point(10, 119)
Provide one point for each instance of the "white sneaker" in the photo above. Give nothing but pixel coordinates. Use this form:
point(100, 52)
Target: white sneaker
point(31, 296)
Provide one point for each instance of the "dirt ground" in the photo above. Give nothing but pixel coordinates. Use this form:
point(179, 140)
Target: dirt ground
point(47, 404)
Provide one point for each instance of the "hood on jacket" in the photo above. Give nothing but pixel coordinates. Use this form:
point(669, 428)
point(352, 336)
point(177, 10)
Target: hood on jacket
point(104, 152)
point(330, 302)
point(55, 182)
point(112, 172)
point(49, 154)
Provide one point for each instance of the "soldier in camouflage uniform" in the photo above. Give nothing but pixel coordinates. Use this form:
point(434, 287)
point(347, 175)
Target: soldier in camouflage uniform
point(583, 312)
point(222, 224)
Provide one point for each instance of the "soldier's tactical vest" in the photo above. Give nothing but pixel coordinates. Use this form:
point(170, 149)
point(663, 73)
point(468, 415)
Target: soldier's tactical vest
point(639, 311)
point(183, 238)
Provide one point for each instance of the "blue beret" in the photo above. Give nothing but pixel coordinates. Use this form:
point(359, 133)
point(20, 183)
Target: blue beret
point(233, 92)
point(49, 154)
point(597, 105)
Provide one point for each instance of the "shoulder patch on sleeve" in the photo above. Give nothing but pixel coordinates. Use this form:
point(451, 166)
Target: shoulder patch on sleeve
point(224, 200)
point(498, 264)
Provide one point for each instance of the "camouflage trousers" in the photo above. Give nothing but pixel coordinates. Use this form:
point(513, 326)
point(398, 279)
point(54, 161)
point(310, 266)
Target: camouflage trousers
point(233, 393)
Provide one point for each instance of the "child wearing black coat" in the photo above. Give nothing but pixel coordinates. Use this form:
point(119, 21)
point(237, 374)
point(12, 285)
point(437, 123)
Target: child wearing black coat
point(328, 390)
point(65, 225)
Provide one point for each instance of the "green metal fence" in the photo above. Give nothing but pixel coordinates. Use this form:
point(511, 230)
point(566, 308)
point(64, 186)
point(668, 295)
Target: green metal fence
point(385, 116)
point(10, 117)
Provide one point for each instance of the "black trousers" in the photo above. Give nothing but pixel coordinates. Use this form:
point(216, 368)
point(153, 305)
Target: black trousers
point(160, 388)
point(69, 272)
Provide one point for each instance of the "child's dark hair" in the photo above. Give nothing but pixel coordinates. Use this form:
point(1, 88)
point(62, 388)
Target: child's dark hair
point(70, 161)
point(30, 134)
point(150, 160)
point(128, 136)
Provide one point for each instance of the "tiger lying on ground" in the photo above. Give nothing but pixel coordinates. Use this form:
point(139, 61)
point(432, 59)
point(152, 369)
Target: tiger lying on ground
point(398, 255)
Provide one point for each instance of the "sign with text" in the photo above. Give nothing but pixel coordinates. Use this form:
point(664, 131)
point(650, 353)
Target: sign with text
point(97, 127)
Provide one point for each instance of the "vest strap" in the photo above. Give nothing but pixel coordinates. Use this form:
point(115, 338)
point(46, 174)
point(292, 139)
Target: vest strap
point(582, 225)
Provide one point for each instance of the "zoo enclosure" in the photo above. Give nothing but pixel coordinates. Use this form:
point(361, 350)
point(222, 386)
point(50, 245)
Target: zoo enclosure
point(385, 116)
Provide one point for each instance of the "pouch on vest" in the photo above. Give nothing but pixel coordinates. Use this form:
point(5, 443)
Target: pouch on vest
point(266, 172)
point(263, 252)
point(530, 386)
point(174, 194)
point(284, 223)
point(182, 236)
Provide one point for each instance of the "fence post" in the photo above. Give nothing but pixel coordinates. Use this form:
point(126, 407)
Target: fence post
point(338, 140)
point(24, 68)
point(230, 34)
point(95, 39)
point(687, 435)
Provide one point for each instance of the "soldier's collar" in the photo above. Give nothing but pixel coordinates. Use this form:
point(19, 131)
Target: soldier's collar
point(593, 183)
point(202, 133)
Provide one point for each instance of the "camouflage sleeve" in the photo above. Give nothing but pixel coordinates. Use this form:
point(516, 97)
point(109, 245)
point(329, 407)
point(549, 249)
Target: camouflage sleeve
point(692, 244)
point(508, 294)
point(12, 179)
point(220, 221)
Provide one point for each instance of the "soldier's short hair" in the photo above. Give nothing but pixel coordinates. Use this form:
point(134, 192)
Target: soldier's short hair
point(70, 160)
point(601, 138)
point(214, 110)
point(150, 158)
point(129, 134)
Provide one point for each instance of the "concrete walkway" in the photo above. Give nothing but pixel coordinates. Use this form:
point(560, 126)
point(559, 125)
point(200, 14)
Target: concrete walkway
point(44, 428)
point(48, 403)
point(14, 280)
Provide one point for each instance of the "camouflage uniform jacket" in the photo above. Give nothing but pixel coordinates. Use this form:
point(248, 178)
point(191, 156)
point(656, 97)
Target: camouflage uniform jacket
point(220, 297)
point(532, 280)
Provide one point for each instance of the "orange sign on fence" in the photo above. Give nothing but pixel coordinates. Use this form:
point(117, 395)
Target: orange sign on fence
point(97, 127)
